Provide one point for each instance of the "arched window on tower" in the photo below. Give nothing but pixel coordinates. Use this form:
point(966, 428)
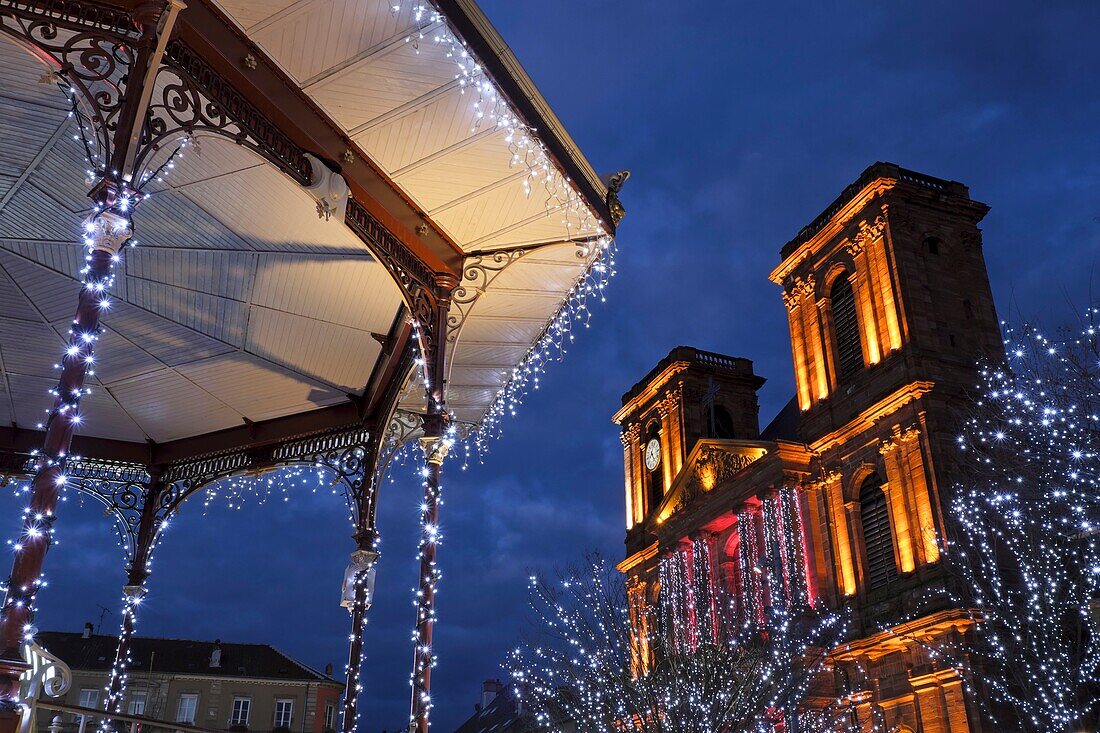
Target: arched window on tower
point(656, 481)
point(878, 542)
point(849, 351)
point(723, 423)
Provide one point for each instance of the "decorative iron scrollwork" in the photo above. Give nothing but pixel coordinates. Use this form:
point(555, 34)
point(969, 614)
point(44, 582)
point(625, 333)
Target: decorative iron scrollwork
point(345, 453)
point(419, 286)
point(192, 97)
point(478, 273)
point(403, 427)
point(122, 488)
point(90, 50)
point(77, 15)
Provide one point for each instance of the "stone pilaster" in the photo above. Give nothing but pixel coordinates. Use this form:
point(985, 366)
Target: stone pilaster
point(842, 539)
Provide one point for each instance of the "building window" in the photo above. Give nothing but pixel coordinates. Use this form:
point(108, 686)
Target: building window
point(284, 711)
point(89, 698)
point(185, 711)
point(330, 717)
point(932, 244)
point(137, 703)
point(723, 423)
point(849, 351)
point(242, 708)
point(877, 540)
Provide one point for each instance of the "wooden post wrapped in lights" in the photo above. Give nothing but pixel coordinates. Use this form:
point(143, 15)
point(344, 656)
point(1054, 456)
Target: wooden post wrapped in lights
point(106, 232)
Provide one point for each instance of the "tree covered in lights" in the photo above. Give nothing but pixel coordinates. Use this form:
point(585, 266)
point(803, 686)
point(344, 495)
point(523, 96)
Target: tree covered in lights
point(1026, 540)
point(595, 664)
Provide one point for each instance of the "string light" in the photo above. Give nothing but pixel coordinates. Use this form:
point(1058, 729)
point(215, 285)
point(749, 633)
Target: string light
point(596, 249)
point(736, 674)
point(105, 231)
point(1026, 545)
point(1024, 539)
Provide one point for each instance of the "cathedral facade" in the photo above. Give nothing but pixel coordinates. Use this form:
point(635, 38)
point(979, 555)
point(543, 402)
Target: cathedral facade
point(838, 501)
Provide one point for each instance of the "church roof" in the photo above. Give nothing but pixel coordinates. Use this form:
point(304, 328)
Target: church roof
point(736, 365)
point(784, 426)
point(869, 175)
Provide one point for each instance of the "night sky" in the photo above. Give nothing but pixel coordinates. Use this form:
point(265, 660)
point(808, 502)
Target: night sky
point(740, 123)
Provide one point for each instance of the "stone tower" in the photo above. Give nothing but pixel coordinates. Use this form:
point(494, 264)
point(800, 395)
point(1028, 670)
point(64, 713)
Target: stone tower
point(889, 307)
point(690, 395)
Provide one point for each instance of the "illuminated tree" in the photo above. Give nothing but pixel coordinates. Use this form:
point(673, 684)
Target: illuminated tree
point(1025, 545)
point(582, 669)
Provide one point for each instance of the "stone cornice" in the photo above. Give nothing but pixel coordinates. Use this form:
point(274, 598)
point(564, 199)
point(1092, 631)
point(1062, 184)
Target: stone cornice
point(651, 390)
point(797, 290)
point(870, 417)
point(905, 635)
point(831, 229)
point(638, 558)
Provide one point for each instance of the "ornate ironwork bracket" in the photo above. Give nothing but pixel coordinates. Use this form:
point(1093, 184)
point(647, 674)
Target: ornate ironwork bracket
point(88, 48)
point(194, 98)
point(122, 488)
point(426, 293)
point(347, 454)
point(478, 273)
point(403, 427)
point(92, 51)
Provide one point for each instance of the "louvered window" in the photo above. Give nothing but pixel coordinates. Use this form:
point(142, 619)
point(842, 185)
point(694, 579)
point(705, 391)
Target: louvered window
point(879, 545)
point(849, 352)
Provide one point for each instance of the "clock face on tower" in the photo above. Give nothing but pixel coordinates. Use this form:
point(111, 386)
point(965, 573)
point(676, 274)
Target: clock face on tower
point(652, 454)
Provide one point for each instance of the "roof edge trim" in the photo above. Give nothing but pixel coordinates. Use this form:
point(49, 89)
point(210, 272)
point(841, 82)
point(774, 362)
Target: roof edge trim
point(500, 63)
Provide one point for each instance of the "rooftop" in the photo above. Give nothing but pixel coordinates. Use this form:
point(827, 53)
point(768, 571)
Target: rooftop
point(872, 173)
point(504, 714)
point(734, 365)
point(179, 657)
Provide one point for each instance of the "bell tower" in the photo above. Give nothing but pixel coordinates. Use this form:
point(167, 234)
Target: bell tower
point(885, 286)
point(690, 395)
point(889, 308)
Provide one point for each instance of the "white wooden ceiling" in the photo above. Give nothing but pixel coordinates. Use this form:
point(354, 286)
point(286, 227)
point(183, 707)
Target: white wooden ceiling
point(401, 104)
point(239, 302)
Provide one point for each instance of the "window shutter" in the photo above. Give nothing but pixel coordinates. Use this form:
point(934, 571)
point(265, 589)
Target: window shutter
point(877, 539)
point(846, 328)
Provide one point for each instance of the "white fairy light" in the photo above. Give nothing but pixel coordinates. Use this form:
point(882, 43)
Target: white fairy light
point(529, 154)
point(600, 664)
point(1024, 540)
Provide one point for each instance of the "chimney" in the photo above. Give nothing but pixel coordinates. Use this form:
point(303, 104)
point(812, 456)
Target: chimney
point(328, 669)
point(88, 629)
point(489, 690)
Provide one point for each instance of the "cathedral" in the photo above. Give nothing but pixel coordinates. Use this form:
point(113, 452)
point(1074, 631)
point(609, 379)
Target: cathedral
point(837, 502)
